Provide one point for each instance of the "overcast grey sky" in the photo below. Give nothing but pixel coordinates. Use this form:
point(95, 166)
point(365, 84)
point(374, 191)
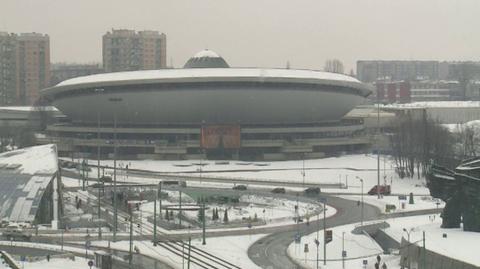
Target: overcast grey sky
point(265, 33)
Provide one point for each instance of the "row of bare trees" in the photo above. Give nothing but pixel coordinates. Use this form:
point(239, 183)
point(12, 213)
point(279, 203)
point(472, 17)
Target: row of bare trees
point(417, 139)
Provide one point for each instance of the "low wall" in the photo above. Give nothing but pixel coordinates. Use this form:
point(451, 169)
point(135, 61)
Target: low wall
point(433, 260)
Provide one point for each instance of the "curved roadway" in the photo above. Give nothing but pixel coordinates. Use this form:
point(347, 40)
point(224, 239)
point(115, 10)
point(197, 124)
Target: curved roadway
point(271, 251)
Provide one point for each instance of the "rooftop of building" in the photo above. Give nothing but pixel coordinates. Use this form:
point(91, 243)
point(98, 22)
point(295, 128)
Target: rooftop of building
point(24, 176)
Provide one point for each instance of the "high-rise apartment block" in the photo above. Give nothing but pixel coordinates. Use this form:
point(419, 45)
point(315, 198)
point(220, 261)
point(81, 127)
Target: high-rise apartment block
point(127, 50)
point(24, 67)
point(33, 66)
point(8, 69)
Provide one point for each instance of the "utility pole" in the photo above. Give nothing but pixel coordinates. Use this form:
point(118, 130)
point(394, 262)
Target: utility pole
point(318, 242)
point(203, 224)
point(324, 232)
point(130, 250)
point(115, 211)
point(424, 253)
point(160, 198)
point(98, 167)
point(155, 219)
point(303, 169)
point(361, 195)
point(115, 220)
point(189, 247)
point(378, 147)
point(343, 250)
point(180, 210)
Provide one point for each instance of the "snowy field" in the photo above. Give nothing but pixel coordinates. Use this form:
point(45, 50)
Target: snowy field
point(358, 247)
point(32, 160)
point(345, 170)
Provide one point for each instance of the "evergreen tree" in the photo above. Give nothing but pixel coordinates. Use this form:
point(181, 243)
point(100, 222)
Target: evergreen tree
point(225, 216)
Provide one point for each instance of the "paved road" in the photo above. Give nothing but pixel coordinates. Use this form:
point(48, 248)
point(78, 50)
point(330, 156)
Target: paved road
point(271, 251)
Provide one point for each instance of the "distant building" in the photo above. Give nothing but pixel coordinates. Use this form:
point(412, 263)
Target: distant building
point(8, 69)
point(392, 92)
point(64, 71)
point(439, 90)
point(33, 66)
point(371, 71)
point(127, 50)
point(24, 67)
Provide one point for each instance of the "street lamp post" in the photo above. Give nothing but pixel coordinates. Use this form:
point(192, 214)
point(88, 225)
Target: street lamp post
point(361, 195)
point(378, 147)
point(98, 91)
point(303, 169)
point(115, 210)
point(408, 246)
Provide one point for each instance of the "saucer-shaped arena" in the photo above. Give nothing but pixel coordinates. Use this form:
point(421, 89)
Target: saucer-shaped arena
point(175, 105)
point(208, 96)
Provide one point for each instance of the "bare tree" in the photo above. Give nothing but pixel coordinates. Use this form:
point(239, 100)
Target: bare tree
point(334, 66)
point(417, 140)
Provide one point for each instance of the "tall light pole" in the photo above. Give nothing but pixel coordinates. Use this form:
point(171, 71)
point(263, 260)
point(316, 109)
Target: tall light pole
point(324, 231)
point(408, 246)
point(361, 195)
point(316, 241)
point(98, 91)
point(303, 169)
point(378, 147)
point(115, 210)
point(343, 250)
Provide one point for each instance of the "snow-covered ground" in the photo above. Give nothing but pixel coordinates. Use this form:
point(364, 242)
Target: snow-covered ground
point(231, 248)
point(358, 248)
point(78, 263)
point(420, 202)
point(31, 160)
point(345, 169)
point(459, 244)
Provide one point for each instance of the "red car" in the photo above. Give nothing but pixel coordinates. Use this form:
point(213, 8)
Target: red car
point(384, 190)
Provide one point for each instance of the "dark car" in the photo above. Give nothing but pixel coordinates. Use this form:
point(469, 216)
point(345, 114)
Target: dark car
point(240, 187)
point(312, 191)
point(106, 179)
point(279, 190)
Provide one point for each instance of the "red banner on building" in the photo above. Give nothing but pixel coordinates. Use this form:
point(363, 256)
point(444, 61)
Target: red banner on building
point(217, 136)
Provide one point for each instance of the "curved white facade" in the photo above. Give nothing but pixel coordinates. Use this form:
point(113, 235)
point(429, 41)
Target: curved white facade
point(205, 96)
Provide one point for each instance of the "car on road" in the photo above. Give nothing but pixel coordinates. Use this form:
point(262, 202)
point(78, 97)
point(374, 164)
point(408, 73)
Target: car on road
point(240, 187)
point(106, 179)
point(382, 189)
point(16, 233)
point(312, 191)
point(279, 190)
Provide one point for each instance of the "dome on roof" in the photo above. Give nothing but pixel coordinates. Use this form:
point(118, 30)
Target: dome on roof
point(206, 59)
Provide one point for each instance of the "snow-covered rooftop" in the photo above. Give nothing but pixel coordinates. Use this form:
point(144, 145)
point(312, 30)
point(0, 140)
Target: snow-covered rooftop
point(203, 73)
point(206, 53)
point(32, 160)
